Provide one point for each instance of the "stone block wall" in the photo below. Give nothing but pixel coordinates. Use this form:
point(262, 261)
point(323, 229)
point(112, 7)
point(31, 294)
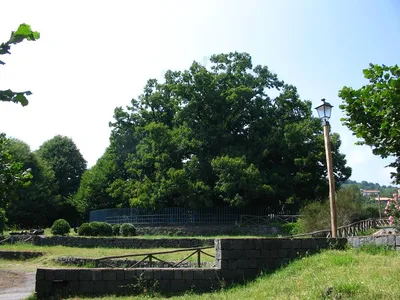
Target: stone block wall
point(236, 260)
point(112, 242)
point(390, 240)
point(19, 255)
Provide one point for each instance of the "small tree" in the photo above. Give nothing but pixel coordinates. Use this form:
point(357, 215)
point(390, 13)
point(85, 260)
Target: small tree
point(127, 230)
point(60, 227)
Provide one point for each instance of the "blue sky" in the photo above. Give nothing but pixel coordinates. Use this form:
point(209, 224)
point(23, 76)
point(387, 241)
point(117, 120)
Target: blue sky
point(96, 55)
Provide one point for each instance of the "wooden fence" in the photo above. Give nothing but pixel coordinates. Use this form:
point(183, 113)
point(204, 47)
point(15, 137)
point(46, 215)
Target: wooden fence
point(348, 230)
point(259, 220)
point(154, 256)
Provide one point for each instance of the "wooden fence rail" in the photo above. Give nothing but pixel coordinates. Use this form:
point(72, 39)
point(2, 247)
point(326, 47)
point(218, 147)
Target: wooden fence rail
point(151, 256)
point(348, 230)
point(258, 220)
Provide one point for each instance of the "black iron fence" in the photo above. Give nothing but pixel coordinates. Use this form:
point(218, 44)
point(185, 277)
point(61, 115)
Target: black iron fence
point(176, 215)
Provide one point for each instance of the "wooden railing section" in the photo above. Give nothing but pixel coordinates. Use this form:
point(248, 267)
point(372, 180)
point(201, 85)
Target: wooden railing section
point(259, 220)
point(348, 230)
point(152, 256)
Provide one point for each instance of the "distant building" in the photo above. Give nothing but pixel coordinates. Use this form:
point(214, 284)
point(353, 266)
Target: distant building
point(367, 193)
point(383, 200)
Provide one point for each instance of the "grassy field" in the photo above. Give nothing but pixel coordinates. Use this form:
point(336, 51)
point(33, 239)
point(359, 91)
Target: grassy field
point(371, 273)
point(52, 252)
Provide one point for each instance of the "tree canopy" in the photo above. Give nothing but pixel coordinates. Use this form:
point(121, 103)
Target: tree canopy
point(373, 112)
point(65, 159)
point(216, 136)
point(36, 204)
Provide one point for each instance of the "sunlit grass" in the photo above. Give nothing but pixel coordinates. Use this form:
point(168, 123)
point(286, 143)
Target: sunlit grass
point(52, 252)
point(332, 274)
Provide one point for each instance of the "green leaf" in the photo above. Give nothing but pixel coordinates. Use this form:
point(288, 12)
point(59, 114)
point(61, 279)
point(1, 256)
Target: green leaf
point(21, 99)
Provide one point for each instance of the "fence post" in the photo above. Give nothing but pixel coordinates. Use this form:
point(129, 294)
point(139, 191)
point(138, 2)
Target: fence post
point(150, 260)
point(198, 258)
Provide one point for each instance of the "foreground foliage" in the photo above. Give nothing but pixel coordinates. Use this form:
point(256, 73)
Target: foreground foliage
point(372, 112)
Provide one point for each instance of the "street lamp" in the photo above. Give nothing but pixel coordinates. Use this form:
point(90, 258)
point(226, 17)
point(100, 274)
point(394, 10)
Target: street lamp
point(324, 113)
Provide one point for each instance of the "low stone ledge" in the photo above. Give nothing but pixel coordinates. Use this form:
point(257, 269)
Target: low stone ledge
point(19, 255)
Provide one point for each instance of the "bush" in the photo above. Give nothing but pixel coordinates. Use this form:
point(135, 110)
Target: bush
point(104, 229)
point(316, 215)
point(290, 228)
point(3, 220)
point(127, 230)
point(95, 229)
point(85, 230)
point(60, 227)
point(115, 229)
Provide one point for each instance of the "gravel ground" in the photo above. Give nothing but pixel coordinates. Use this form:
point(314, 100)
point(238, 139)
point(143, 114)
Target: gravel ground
point(16, 285)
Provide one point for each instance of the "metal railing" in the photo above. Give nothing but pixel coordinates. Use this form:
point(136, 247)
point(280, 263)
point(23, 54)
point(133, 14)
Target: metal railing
point(154, 256)
point(177, 215)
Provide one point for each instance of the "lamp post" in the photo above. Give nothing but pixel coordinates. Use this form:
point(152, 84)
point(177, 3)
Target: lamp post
point(324, 113)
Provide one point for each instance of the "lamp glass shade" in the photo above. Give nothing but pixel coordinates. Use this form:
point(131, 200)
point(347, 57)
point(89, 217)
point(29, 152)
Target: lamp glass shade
point(324, 110)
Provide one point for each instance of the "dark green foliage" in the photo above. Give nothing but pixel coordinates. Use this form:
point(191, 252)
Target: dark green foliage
point(93, 190)
point(290, 228)
point(95, 229)
point(68, 164)
point(127, 229)
point(103, 229)
point(373, 112)
point(116, 229)
point(66, 161)
point(85, 230)
point(24, 32)
point(60, 227)
point(3, 220)
point(13, 175)
point(212, 137)
point(37, 204)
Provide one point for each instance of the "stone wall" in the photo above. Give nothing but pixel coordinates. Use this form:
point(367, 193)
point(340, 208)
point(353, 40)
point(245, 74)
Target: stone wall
point(208, 230)
point(111, 242)
point(236, 260)
point(389, 240)
point(19, 255)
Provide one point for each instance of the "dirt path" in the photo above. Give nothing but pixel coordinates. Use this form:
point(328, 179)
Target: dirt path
point(16, 285)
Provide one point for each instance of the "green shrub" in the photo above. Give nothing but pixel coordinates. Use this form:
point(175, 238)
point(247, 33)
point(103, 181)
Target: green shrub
point(116, 229)
point(316, 215)
point(127, 230)
point(101, 229)
point(290, 228)
point(3, 220)
point(60, 227)
point(85, 230)
point(104, 229)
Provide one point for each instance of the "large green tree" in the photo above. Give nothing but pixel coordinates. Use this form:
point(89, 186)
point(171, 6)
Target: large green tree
point(36, 205)
point(67, 162)
point(372, 112)
point(215, 136)
point(13, 175)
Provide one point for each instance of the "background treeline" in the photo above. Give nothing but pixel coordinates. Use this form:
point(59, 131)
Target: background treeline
point(385, 190)
point(227, 134)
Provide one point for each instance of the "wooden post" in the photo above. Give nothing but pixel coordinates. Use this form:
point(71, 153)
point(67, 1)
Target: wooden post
point(330, 178)
point(198, 258)
point(379, 202)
